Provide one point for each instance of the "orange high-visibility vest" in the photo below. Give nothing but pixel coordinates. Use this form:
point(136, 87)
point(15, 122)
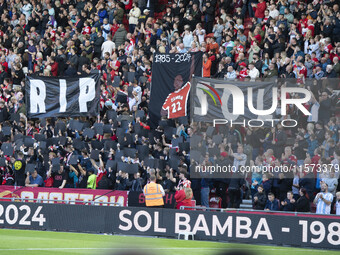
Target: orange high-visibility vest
point(153, 195)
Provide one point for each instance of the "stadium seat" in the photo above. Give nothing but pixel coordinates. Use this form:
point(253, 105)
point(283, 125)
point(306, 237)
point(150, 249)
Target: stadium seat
point(186, 235)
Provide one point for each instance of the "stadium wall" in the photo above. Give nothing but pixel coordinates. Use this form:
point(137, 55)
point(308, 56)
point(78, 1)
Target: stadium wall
point(317, 231)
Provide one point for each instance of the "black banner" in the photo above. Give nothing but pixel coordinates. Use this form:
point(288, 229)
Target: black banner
point(62, 97)
point(169, 73)
point(228, 100)
point(137, 199)
point(304, 230)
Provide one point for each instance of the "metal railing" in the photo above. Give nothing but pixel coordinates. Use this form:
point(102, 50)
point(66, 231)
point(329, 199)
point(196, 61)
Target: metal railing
point(238, 210)
point(71, 202)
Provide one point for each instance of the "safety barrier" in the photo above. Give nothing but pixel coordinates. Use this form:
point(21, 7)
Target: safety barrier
point(71, 202)
point(255, 227)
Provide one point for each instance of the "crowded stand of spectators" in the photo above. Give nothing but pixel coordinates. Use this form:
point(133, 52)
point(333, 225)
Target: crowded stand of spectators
point(241, 40)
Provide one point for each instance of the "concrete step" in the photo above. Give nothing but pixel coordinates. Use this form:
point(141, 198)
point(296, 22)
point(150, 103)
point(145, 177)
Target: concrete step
point(247, 201)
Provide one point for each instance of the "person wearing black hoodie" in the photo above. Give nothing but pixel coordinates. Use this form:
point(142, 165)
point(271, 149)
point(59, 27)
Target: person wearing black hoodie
point(303, 203)
point(209, 16)
point(260, 199)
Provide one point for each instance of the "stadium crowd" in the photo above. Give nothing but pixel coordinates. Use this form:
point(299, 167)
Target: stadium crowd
point(241, 40)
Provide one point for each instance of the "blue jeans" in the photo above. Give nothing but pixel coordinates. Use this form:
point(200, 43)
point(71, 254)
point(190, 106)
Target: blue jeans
point(205, 196)
point(219, 40)
point(30, 65)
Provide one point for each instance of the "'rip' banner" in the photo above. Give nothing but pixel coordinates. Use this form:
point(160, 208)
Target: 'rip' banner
point(62, 97)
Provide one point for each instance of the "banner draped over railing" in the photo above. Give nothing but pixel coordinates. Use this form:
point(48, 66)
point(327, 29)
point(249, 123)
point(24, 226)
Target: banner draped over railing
point(98, 195)
point(170, 72)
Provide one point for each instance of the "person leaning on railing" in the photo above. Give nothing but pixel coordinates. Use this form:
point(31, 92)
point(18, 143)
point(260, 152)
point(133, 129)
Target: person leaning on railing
point(34, 179)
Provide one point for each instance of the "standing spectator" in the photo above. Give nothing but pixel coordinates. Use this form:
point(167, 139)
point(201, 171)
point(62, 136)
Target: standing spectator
point(32, 50)
point(234, 190)
point(92, 179)
point(19, 170)
point(260, 9)
point(209, 16)
point(337, 204)
point(59, 177)
point(120, 36)
point(239, 157)
point(303, 204)
point(325, 108)
point(266, 184)
point(206, 66)
point(217, 30)
point(153, 193)
point(133, 15)
point(323, 200)
point(331, 181)
point(300, 149)
point(108, 46)
point(205, 189)
point(119, 13)
point(3, 112)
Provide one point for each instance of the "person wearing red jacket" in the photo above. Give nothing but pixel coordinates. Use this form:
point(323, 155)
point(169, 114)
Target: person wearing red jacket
point(244, 71)
point(206, 66)
point(54, 66)
point(183, 197)
point(260, 8)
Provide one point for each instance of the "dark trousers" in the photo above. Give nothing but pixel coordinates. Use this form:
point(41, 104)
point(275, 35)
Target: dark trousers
point(158, 206)
point(209, 26)
point(234, 198)
point(132, 28)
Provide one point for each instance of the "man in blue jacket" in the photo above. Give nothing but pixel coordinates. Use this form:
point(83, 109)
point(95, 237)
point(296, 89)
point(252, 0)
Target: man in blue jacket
point(272, 203)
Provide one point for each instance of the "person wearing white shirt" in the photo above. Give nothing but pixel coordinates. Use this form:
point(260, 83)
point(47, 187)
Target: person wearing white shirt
point(134, 100)
point(231, 74)
point(337, 204)
point(332, 182)
point(273, 12)
point(323, 200)
point(26, 9)
point(239, 157)
point(106, 28)
point(253, 72)
point(108, 46)
point(314, 110)
point(200, 32)
point(138, 90)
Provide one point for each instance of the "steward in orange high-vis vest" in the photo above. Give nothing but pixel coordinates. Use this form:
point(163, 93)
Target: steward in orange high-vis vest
point(154, 193)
